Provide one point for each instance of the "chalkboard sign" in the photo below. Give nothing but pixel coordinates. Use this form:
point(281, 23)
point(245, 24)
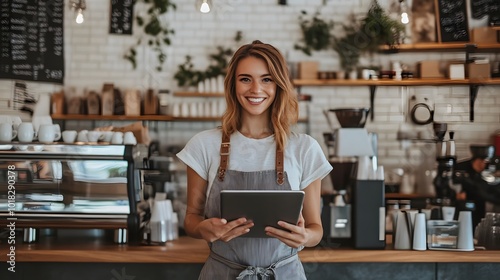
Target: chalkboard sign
point(31, 40)
point(122, 14)
point(482, 8)
point(452, 21)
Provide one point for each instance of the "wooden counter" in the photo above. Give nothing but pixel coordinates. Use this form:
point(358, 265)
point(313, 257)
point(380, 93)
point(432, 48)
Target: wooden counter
point(188, 250)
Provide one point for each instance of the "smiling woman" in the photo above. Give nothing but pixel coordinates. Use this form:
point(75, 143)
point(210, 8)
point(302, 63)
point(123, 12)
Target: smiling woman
point(255, 91)
point(254, 150)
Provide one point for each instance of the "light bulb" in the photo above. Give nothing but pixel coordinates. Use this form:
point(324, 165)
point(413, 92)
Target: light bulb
point(404, 18)
point(204, 8)
point(79, 17)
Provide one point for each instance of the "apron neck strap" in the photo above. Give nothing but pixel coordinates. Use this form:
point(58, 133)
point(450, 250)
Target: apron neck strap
point(224, 158)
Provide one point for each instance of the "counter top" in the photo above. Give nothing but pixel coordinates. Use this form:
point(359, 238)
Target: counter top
point(189, 250)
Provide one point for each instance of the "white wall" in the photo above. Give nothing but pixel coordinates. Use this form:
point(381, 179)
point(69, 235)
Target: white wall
point(94, 57)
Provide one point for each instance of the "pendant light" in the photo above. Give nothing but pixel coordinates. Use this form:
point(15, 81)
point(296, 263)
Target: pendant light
point(78, 6)
point(405, 19)
point(204, 6)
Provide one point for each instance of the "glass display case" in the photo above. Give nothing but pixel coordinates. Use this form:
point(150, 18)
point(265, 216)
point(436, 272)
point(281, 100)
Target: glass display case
point(75, 186)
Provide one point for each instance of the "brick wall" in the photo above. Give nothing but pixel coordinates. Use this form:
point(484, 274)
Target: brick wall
point(94, 57)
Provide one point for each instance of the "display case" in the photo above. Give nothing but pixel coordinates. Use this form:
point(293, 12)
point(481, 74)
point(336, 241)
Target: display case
point(71, 186)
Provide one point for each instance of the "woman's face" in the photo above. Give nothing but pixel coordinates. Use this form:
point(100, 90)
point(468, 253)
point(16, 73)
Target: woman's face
point(255, 88)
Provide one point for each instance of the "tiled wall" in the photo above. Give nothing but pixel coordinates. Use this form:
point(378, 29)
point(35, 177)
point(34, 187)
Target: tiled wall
point(94, 57)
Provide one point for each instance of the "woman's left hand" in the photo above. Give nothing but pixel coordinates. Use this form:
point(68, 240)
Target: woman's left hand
point(294, 236)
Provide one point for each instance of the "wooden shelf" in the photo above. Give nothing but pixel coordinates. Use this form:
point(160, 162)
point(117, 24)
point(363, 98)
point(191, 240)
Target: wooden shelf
point(112, 118)
point(130, 118)
point(473, 85)
point(198, 94)
point(389, 82)
point(442, 47)
point(138, 118)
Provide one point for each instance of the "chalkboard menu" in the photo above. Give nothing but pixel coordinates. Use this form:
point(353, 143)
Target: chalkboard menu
point(31, 40)
point(482, 8)
point(122, 14)
point(452, 21)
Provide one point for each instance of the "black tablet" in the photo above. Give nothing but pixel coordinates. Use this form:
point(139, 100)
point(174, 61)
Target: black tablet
point(263, 207)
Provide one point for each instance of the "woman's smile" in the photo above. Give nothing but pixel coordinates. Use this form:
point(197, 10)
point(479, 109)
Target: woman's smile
point(255, 87)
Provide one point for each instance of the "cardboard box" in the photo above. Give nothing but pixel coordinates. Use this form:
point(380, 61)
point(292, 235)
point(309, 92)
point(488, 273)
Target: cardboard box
point(430, 69)
point(478, 71)
point(308, 70)
point(483, 35)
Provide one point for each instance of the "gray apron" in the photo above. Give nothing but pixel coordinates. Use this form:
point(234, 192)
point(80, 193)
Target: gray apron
point(249, 258)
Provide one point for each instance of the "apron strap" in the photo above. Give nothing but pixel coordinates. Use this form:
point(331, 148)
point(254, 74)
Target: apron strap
point(224, 158)
point(279, 167)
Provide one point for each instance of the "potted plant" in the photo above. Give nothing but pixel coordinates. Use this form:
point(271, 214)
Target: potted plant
point(186, 76)
point(378, 29)
point(316, 33)
point(347, 46)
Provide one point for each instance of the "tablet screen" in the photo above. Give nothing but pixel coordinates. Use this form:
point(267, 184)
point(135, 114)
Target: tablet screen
point(263, 207)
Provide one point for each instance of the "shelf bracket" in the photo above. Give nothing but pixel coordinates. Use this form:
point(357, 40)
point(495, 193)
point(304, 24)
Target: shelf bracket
point(473, 90)
point(373, 89)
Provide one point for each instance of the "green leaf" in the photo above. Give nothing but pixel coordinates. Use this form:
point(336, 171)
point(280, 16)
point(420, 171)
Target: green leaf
point(140, 20)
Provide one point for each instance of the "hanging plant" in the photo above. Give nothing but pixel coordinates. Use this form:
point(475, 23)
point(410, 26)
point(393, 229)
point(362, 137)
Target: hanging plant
point(157, 35)
point(316, 33)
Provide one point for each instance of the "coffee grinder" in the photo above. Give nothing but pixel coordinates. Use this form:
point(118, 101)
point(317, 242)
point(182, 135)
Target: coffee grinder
point(345, 147)
point(446, 160)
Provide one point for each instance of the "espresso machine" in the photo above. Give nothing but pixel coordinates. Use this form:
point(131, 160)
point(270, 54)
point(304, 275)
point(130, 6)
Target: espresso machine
point(348, 145)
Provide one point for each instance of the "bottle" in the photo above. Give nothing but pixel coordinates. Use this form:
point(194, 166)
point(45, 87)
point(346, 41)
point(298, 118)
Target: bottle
point(450, 151)
point(392, 208)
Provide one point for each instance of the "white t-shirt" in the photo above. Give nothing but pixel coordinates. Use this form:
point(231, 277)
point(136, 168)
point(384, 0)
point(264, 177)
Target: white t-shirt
point(305, 161)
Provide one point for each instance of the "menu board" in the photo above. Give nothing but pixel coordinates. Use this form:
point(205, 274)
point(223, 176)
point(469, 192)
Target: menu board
point(482, 8)
point(452, 21)
point(122, 14)
point(31, 40)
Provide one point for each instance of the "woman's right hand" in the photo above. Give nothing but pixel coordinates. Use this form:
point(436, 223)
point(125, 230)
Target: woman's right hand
point(214, 229)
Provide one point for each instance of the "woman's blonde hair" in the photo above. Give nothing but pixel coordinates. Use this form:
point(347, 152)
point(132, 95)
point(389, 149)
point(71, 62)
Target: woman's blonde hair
point(284, 110)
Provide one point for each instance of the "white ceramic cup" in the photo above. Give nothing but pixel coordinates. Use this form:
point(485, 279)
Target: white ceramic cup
point(107, 135)
point(25, 132)
point(419, 233)
point(57, 130)
point(117, 138)
point(93, 136)
point(129, 138)
point(82, 136)
point(465, 233)
point(448, 212)
point(69, 136)
point(7, 132)
point(47, 133)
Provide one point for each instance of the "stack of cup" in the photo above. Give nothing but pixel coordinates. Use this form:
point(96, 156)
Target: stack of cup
point(163, 225)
